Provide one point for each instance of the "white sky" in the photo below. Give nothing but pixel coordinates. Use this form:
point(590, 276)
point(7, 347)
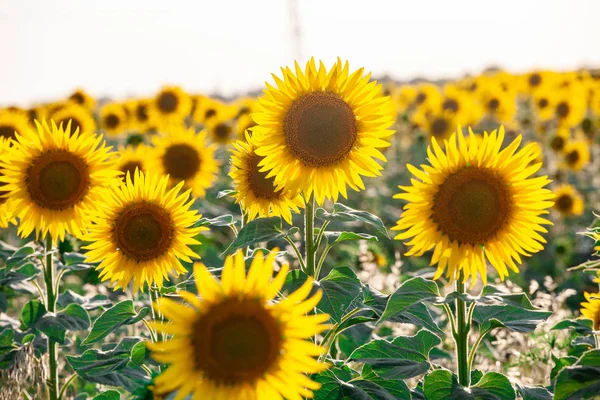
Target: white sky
point(120, 47)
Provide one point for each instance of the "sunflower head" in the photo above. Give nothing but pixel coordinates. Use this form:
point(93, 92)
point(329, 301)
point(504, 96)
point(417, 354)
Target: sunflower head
point(80, 118)
point(257, 194)
point(12, 122)
point(143, 232)
point(7, 210)
point(132, 158)
point(208, 355)
point(591, 309)
point(185, 155)
point(114, 119)
point(171, 105)
point(221, 130)
point(207, 109)
point(568, 201)
point(319, 130)
point(56, 178)
point(83, 99)
point(576, 155)
point(470, 204)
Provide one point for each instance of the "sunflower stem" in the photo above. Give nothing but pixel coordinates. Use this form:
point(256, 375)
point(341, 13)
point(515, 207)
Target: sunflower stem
point(51, 292)
point(309, 236)
point(156, 316)
point(463, 327)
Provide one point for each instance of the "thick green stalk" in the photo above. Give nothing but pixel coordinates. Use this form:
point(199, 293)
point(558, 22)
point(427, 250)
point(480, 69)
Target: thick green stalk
point(309, 236)
point(463, 327)
point(52, 381)
point(156, 316)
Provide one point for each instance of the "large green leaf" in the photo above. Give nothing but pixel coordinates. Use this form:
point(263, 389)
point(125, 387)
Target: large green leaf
point(119, 315)
point(581, 380)
point(344, 213)
point(372, 387)
point(508, 316)
point(336, 237)
point(111, 367)
point(581, 326)
point(341, 288)
point(31, 313)
point(402, 358)
point(256, 231)
point(559, 364)
point(75, 262)
point(534, 393)
point(22, 256)
point(442, 384)
point(71, 318)
point(108, 395)
point(413, 291)
point(89, 303)
point(26, 272)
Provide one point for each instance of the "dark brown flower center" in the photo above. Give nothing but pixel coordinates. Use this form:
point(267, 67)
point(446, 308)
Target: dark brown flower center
point(320, 129)
point(7, 131)
point(58, 179)
point(75, 124)
point(129, 168)
point(450, 105)
point(439, 127)
point(564, 203)
point(143, 231)
point(421, 97)
point(167, 102)
point(543, 103)
point(261, 186)
point(181, 161)
point(557, 143)
point(222, 132)
point(562, 109)
point(78, 98)
point(111, 121)
point(535, 80)
point(210, 112)
point(236, 341)
point(493, 104)
point(472, 205)
point(141, 112)
point(572, 157)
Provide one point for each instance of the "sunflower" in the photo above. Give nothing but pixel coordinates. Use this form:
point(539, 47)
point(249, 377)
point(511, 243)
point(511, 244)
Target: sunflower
point(560, 139)
point(537, 80)
point(170, 105)
point(568, 201)
point(113, 119)
point(207, 109)
point(80, 117)
point(184, 155)
point(576, 155)
point(256, 193)
point(244, 106)
point(7, 210)
point(82, 98)
point(475, 202)
point(11, 122)
point(56, 179)
point(542, 103)
point(427, 95)
point(244, 123)
point(235, 341)
point(460, 106)
point(499, 104)
point(591, 309)
point(132, 158)
point(143, 232)
point(141, 118)
point(221, 130)
point(569, 110)
point(404, 97)
point(438, 124)
point(320, 130)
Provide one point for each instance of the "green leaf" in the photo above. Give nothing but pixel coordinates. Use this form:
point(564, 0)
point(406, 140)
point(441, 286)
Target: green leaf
point(119, 315)
point(342, 213)
point(89, 303)
point(581, 326)
point(7, 337)
point(256, 231)
point(31, 313)
point(21, 256)
point(75, 262)
point(336, 237)
point(139, 353)
point(223, 193)
point(579, 381)
point(341, 287)
point(559, 364)
point(108, 395)
point(222, 220)
point(71, 318)
point(25, 272)
point(442, 384)
point(508, 316)
point(111, 367)
point(534, 393)
point(413, 291)
point(402, 358)
point(333, 387)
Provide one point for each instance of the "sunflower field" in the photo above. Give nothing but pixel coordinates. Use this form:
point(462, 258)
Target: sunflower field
point(333, 237)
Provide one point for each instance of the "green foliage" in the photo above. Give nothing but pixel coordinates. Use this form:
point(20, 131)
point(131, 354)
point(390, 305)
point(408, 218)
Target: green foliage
point(120, 314)
point(343, 213)
point(580, 380)
point(257, 231)
point(442, 384)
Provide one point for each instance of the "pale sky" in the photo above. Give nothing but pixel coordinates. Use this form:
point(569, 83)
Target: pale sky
point(132, 47)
